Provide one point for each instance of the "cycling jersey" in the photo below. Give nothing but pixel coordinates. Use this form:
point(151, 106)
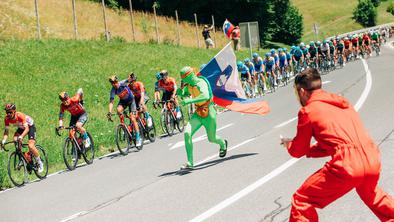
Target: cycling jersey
point(366, 39)
point(276, 57)
point(355, 41)
point(137, 88)
point(288, 56)
point(251, 68)
point(123, 92)
point(332, 49)
point(20, 120)
point(347, 44)
point(305, 51)
point(243, 70)
point(375, 36)
point(258, 64)
point(324, 47)
point(298, 52)
point(74, 107)
point(282, 60)
point(269, 64)
point(312, 51)
point(168, 86)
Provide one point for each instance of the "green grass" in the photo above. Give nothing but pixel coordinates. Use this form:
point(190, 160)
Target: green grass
point(333, 17)
point(32, 74)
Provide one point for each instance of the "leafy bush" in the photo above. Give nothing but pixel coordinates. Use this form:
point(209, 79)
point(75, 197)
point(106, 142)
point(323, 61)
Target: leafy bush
point(365, 13)
point(390, 8)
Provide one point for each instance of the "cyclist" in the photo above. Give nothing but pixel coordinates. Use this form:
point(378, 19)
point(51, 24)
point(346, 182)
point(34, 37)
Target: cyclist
point(314, 56)
point(126, 100)
point(288, 58)
point(298, 57)
point(305, 53)
point(375, 38)
point(332, 53)
point(259, 67)
point(325, 50)
point(78, 113)
point(348, 47)
point(354, 40)
point(25, 126)
point(269, 64)
point(168, 86)
point(140, 96)
point(340, 49)
point(367, 43)
point(253, 74)
point(282, 63)
point(245, 78)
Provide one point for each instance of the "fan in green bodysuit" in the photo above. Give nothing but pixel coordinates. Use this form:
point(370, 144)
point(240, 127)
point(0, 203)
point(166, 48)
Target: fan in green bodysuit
point(205, 115)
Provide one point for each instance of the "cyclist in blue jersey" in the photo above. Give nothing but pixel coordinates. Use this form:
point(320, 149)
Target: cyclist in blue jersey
point(126, 100)
point(253, 74)
point(245, 78)
point(259, 68)
point(282, 64)
point(298, 57)
point(275, 56)
point(313, 54)
point(269, 64)
point(305, 52)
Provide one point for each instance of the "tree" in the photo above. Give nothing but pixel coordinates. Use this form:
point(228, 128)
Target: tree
point(390, 8)
point(365, 13)
point(288, 23)
point(376, 3)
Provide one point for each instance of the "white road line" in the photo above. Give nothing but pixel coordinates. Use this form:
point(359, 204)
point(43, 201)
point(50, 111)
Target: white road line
point(197, 139)
point(227, 202)
point(285, 123)
point(326, 82)
point(72, 217)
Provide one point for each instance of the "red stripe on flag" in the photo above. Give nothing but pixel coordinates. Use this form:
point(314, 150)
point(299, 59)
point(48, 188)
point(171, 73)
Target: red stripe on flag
point(258, 107)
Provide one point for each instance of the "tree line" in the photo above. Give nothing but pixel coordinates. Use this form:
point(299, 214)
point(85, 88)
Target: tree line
point(279, 20)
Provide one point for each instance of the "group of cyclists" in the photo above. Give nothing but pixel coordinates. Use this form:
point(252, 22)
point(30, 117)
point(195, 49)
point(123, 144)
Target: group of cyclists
point(259, 74)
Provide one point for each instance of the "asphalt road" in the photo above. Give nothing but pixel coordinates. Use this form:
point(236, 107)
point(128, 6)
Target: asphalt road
point(254, 182)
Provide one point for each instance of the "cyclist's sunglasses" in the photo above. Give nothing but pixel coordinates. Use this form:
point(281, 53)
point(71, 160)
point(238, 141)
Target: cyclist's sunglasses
point(9, 112)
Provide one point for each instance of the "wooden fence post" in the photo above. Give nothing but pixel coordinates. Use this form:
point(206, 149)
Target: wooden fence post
point(38, 20)
point(157, 29)
point(75, 20)
point(132, 19)
point(105, 21)
point(198, 40)
point(177, 28)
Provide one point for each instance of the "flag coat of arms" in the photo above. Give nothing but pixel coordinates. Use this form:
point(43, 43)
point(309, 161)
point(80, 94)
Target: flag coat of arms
point(228, 28)
point(222, 74)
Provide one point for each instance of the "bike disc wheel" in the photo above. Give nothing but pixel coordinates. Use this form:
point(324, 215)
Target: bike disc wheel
point(44, 160)
point(17, 169)
point(151, 132)
point(70, 154)
point(122, 140)
point(88, 153)
point(169, 123)
point(180, 123)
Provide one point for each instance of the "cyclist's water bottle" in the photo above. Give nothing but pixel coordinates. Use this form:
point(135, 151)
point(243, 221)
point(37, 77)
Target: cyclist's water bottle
point(149, 121)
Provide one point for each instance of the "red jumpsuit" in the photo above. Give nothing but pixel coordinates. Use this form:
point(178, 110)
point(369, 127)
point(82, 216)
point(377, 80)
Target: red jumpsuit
point(355, 162)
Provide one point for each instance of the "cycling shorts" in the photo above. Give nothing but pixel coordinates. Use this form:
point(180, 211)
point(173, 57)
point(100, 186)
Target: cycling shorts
point(31, 134)
point(166, 95)
point(83, 118)
point(130, 105)
point(282, 63)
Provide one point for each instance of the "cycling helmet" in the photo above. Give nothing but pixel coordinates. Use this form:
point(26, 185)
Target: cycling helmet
point(246, 61)
point(267, 54)
point(202, 66)
point(293, 47)
point(280, 50)
point(9, 107)
point(239, 64)
point(318, 43)
point(158, 76)
point(330, 43)
point(113, 79)
point(285, 49)
point(324, 41)
point(346, 38)
point(163, 73)
point(255, 55)
point(63, 96)
point(311, 43)
point(272, 51)
point(132, 77)
point(302, 44)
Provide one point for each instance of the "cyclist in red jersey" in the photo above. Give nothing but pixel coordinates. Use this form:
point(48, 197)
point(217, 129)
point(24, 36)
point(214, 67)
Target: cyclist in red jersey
point(355, 44)
point(78, 113)
point(367, 43)
point(348, 47)
point(168, 86)
point(25, 126)
point(140, 95)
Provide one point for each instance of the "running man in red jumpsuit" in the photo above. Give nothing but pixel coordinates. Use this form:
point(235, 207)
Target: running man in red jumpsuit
point(339, 133)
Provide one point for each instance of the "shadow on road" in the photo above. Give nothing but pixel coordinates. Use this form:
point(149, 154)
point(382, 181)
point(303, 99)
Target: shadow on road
point(206, 165)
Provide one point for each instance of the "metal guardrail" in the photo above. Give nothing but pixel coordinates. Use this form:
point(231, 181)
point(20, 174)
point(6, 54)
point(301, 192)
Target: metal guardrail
point(391, 24)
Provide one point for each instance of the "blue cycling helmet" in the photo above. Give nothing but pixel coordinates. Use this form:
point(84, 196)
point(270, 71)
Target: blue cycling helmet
point(202, 66)
point(272, 51)
point(267, 54)
point(311, 43)
point(240, 64)
point(158, 76)
point(293, 47)
point(285, 49)
point(255, 55)
point(280, 50)
point(247, 60)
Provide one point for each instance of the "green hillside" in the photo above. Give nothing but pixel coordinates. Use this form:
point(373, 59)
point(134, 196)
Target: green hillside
point(334, 16)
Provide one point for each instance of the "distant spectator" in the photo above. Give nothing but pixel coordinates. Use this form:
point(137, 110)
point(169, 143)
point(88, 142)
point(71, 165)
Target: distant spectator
point(207, 36)
point(235, 36)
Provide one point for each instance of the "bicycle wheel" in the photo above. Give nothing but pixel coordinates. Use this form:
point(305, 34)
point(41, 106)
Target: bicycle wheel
point(88, 152)
point(17, 169)
point(180, 122)
point(70, 154)
point(151, 132)
point(122, 139)
point(169, 123)
point(44, 160)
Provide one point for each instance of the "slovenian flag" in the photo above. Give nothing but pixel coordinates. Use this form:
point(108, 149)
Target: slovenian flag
point(222, 75)
point(228, 28)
